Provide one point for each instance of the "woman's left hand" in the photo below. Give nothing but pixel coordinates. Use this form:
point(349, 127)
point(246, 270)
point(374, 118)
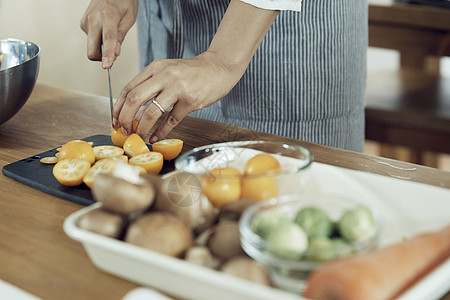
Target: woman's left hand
point(185, 85)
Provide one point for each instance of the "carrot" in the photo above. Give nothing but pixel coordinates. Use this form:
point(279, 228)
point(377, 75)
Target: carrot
point(381, 274)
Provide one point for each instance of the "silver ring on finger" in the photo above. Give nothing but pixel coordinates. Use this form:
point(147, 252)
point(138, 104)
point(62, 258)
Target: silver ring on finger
point(158, 105)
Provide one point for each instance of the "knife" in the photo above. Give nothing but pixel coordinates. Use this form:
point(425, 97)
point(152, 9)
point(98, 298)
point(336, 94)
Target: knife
point(110, 92)
point(110, 95)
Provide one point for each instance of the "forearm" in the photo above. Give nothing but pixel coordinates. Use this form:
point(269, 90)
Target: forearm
point(239, 35)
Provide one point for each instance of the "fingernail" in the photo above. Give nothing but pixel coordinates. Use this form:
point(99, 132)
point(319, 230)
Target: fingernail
point(105, 63)
point(118, 46)
point(153, 139)
point(125, 131)
point(115, 123)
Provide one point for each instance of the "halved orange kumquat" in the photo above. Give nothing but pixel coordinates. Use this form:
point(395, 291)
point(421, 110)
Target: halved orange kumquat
point(152, 162)
point(70, 172)
point(135, 145)
point(107, 151)
point(105, 165)
point(122, 159)
point(49, 160)
point(76, 149)
point(117, 136)
point(169, 148)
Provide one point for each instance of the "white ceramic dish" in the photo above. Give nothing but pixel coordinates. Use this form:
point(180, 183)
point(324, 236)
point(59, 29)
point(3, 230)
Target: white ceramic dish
point(171, 275)
point(407, 209)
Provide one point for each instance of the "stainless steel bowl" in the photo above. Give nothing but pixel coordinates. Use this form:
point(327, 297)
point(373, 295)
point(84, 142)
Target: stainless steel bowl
point(19, 68)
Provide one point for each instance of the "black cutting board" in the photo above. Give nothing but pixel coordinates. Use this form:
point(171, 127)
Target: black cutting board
point(31, 172)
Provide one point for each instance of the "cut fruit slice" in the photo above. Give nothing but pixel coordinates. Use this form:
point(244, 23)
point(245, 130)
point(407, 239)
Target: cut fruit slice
point(135, 145)
point(105, 165)
point(169, 148)
point(49, 160)
point(76, 149)
point(107, 151)
point(122, 159)
point(70, 172)
point(152, 162)
point(117, 136)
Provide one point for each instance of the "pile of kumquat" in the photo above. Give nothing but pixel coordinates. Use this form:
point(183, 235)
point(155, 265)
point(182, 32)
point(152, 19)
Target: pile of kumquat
point(78, 162)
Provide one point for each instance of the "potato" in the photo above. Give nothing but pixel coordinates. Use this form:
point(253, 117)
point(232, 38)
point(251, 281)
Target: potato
point(103, 222)
point(160, 232)
point(122, 196)
point(201, 255)
point(181, 195)
point(224, 241)
point(247, 268)
point(234, 210)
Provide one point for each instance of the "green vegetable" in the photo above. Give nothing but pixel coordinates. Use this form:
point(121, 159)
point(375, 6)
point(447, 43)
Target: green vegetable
point(324, 248)
point(314, 221)
point(357, 224)
point(320, 249)
point(342, 248)
point(287, 241)
point(264, 221)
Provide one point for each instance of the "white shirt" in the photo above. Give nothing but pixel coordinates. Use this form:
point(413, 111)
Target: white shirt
point(294, 5)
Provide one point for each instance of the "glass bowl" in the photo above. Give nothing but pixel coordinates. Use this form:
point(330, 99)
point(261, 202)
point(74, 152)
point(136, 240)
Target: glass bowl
point(222, 187)
point(291, 274)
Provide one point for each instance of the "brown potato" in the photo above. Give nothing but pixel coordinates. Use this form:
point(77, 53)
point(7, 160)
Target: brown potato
point(160, 232)
point(122, 196)
point(201, 255)
point(181, 195)
point(247, 268)
point(234, 210)
point(103, 222)
point(224, 240)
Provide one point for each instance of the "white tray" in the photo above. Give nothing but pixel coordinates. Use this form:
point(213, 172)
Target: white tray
point(407, 209)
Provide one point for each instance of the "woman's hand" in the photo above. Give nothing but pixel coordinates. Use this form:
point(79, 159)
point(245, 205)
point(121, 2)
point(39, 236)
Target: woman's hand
point(192, 84)
point(106, 22)
point(184, 84)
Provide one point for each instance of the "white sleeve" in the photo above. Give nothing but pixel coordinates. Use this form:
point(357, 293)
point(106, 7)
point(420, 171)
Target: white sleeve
point(294, 5)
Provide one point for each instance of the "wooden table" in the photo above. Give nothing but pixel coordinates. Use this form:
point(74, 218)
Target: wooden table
point(35, 253)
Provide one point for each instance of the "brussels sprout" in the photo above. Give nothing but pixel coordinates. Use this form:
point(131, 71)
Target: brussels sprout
point(342, 248)
point(314, 221)
point(324, 248)
point(264, 221)
point(320, 249)
point(357, 224)
point(287, 241)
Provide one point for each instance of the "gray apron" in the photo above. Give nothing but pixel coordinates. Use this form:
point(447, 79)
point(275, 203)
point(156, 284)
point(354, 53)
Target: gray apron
point(306, 81)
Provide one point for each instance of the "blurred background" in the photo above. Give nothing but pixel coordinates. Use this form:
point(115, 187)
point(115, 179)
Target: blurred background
point(54, 26)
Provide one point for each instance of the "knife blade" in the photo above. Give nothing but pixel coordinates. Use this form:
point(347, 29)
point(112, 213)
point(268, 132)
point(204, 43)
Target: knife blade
point(110, 95)
point(110, 92)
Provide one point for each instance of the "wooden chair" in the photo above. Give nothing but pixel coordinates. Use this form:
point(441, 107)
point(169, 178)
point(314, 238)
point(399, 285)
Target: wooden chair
point(409, 108)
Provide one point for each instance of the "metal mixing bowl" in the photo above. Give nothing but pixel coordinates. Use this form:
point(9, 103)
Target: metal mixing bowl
point(19, 68)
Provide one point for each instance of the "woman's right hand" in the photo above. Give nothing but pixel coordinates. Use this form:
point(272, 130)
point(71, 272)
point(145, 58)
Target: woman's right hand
point(106, 22)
